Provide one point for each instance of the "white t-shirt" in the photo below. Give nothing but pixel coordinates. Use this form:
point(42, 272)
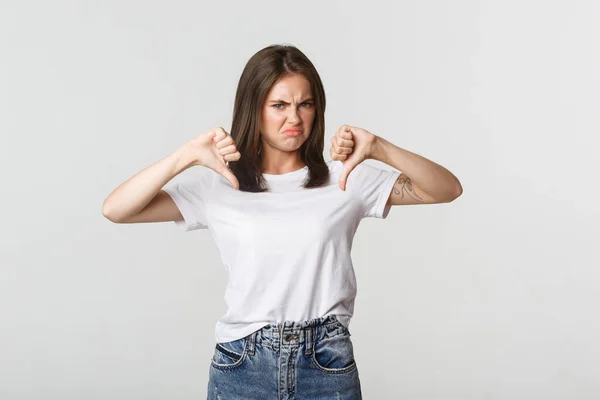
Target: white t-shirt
point(286, 251)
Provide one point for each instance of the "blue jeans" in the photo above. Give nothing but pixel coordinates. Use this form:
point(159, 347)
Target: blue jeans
point(293, 360)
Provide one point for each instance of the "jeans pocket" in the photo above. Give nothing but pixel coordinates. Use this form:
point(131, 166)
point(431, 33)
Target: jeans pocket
point(229, 355)
point(334, 355)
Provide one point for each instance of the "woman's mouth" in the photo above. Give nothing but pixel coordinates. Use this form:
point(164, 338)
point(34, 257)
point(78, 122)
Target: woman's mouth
point(292, 132)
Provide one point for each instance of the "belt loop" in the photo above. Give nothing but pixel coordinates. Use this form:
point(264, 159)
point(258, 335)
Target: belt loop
point(251, 340)
point(308, 335)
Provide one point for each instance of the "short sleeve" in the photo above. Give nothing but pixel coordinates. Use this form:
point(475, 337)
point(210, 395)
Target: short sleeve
point(190, 197)
point(373, 186)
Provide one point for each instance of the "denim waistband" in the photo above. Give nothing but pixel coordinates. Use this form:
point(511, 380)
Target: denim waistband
point(295, 333)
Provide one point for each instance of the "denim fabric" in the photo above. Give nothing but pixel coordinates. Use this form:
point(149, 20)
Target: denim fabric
point(292, 360)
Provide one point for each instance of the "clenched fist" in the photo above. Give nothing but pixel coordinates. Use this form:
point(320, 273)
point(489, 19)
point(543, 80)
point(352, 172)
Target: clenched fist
point(351, 145)
point(214, 149)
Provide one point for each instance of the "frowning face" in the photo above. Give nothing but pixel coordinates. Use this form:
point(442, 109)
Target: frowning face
point(287, 116)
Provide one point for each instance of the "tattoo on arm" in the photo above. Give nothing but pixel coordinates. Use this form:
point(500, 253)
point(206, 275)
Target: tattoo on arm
point(405, 185)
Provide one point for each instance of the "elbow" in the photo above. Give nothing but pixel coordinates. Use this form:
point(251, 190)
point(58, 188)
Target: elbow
point(109, 214)
point(457, 192)
point(452, 193)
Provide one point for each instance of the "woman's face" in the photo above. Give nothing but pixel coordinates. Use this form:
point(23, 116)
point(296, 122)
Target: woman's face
point(288, 106)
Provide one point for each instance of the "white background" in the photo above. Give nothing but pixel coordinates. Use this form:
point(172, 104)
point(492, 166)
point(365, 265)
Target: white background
point(492, 296)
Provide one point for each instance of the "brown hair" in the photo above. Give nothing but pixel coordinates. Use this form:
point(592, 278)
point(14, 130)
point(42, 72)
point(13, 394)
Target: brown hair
point(261, 72)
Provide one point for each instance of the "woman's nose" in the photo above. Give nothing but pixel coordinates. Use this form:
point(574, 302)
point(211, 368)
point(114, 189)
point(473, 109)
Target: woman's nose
point(294, 115)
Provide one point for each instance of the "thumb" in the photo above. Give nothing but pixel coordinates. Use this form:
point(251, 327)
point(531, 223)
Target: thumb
point(347, 168)
point(231, 178)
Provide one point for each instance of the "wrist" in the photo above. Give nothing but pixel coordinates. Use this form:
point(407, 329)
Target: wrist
point(378, 149)
point(182, 159)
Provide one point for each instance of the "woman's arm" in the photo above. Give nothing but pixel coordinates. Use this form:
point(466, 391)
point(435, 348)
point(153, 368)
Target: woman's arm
point(133, 195)
point(423, 180)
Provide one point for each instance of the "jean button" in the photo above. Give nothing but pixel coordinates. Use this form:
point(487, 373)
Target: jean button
point(291, 336)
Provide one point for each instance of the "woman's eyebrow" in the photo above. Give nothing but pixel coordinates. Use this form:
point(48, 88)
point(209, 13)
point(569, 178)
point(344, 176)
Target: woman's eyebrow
point(285, 102)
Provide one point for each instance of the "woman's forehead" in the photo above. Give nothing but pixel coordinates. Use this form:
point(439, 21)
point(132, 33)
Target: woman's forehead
point(296, 86)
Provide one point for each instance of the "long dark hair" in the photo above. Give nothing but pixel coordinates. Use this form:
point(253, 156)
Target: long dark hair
point(261, 72)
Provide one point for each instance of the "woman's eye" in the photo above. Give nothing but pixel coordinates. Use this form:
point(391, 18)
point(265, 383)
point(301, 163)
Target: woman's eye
point(277, 106)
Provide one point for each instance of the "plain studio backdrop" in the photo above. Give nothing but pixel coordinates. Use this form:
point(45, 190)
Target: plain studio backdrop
point(492, 296)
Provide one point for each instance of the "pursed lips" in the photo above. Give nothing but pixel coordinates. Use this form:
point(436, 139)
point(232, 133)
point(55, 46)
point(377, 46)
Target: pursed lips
point(292, 131)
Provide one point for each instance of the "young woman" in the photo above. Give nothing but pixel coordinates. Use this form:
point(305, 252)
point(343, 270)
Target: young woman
point(283, 219)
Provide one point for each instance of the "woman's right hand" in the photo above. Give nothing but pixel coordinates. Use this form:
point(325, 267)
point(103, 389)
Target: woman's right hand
point(213, 149)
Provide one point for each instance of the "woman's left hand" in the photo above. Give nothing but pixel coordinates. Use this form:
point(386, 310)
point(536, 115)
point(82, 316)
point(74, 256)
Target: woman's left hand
point(351, 146)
